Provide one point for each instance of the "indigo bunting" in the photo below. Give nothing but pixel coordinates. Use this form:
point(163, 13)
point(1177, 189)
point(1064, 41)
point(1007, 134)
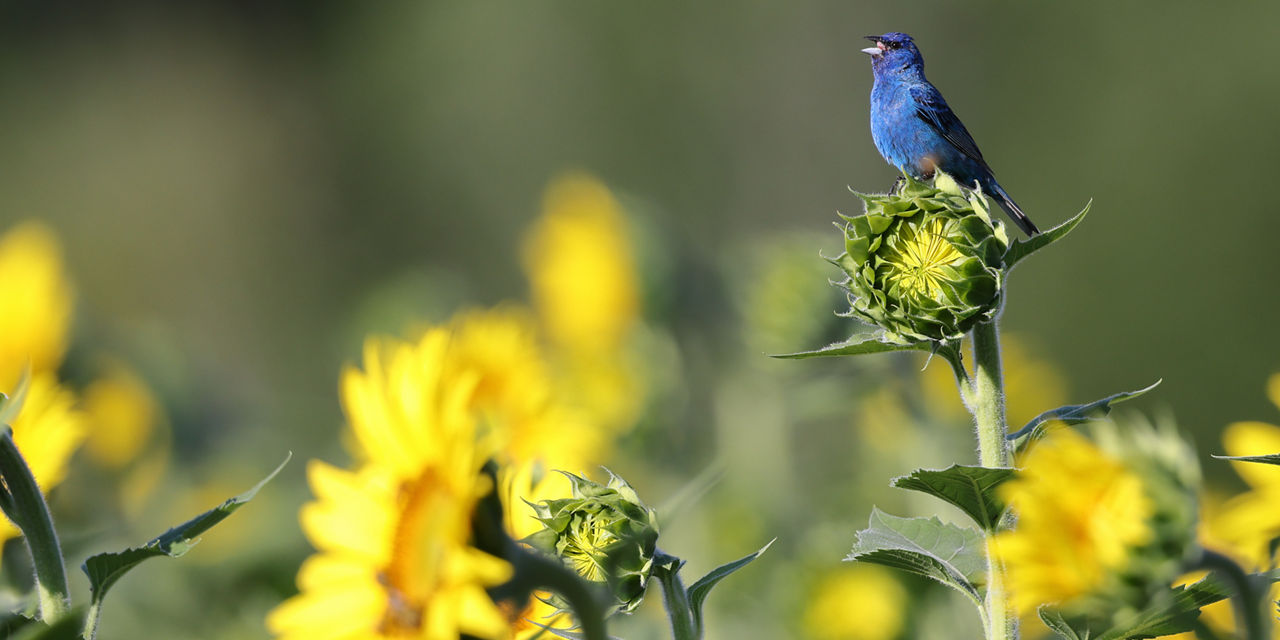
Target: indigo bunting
point(916, 131)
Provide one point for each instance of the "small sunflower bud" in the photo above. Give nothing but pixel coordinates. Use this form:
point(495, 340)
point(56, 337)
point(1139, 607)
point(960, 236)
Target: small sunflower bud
point(924, 263)
point(605, 533)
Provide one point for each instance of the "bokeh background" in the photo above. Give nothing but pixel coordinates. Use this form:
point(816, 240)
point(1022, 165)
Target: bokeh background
point(242, 191)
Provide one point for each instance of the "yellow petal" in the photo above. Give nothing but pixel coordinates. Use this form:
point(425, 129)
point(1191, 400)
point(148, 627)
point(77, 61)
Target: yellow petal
point(340, 613)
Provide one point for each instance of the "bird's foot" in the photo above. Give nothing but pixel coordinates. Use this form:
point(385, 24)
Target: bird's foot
point(897, 184)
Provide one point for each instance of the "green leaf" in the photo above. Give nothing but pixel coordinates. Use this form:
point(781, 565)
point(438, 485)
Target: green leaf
point(949, 554)
point(1073, 414)
point(1175, 613)
point(858, 345)
point(1020, 249)
point(972, 489)
point(104, 569)
point(1271, 458)
point(698, 591)
point(1053, 619)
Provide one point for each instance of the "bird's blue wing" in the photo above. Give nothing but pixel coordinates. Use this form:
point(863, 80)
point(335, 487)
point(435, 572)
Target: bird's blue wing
point(931, 108)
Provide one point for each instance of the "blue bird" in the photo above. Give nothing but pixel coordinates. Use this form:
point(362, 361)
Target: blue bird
point(917, 132)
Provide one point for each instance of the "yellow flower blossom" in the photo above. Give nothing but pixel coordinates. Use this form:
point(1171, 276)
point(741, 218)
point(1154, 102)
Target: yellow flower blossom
point(46, 431)
point(35, 310)
point(1243, 525)
point(581, 267)
point(1080, 511)
point(393, 558)
point(124, 414)
point(861, 602)
point(392, 534)
point(585, 289)
point(516, 393)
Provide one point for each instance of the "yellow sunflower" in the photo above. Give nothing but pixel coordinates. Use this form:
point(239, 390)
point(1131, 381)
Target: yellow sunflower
point(1243, 525)
point(586, 292)
point(859, 602)
point(1080, 511)
point(516, 394)
point(394, 558)
point(35, 310)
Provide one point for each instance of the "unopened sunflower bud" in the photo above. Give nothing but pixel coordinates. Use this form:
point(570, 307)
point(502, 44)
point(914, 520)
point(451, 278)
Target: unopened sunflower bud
point(605, 533)
point(924, 263)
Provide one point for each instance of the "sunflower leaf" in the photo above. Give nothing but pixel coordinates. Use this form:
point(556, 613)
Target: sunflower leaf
point(857, 345)
point(972, 489)
point(698, 591)
point(1273, 458)
point(1020, 249)
point(1073, 414)
point(1053, 619)
point(104, 569)
point(946, 553)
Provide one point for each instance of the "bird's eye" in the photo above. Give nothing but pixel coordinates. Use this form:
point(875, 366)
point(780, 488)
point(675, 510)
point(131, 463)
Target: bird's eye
point(893, 45)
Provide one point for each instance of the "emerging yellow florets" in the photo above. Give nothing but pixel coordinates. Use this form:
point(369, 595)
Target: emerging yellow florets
point(923, 261)
point(1080, 512)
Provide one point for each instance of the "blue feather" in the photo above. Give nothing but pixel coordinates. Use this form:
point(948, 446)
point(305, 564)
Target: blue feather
point(916, 131)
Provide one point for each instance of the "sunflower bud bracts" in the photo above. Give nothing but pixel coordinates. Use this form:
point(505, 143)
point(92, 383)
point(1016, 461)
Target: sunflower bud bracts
point(605, 533)
point(924, 263)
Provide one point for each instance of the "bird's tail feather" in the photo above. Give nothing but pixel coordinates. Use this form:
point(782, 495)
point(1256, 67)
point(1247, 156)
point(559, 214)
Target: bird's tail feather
point(1015, 212)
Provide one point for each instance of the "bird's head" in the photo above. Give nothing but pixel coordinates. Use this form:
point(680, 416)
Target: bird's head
point(893, 51)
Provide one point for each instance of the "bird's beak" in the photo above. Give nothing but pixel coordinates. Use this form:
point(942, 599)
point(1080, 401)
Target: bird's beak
point(876, 51)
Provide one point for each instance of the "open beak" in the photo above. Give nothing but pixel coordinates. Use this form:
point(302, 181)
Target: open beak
point(876, 51)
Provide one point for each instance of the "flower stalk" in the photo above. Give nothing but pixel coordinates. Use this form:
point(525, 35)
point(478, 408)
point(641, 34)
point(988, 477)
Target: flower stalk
point(675, 597)
point(25, 505)
point(1248, 598)
point(984, 396)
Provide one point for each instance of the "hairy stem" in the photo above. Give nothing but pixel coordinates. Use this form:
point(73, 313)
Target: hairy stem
point(984, 396)
point(25, 505)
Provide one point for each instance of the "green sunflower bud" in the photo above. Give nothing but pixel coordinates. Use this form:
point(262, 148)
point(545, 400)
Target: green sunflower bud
point(924, 263)
point(605, 533)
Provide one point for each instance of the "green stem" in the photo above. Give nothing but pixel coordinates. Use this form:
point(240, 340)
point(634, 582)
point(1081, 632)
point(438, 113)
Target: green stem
point(535, 571)
point(675, 597)
point(1248, 600)
point(984, 396)
point(90, 630)
point(30, 513)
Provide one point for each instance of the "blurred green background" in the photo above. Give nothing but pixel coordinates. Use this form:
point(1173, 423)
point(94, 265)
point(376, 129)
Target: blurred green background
point(244, 190)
